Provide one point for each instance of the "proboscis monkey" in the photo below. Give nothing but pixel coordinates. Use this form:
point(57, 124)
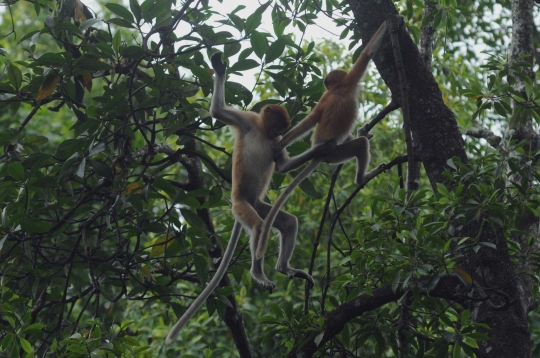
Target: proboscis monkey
point(253, 165)
point(334, 115)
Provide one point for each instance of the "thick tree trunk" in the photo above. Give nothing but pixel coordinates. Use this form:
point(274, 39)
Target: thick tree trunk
point(433, 124)
point(434, 128)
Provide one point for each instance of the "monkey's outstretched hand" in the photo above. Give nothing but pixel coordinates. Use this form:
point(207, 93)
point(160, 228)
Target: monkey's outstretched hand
point(218, 65)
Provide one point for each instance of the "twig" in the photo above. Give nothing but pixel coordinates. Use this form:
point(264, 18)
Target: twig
point(28, 118)
point(395, 24)
point(403, 324)
point(484, 133)
point(392, 106)
point(319, 233)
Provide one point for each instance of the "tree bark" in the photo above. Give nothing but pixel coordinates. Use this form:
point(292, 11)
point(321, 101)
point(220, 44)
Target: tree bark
point(434, 128)
point(433, 124)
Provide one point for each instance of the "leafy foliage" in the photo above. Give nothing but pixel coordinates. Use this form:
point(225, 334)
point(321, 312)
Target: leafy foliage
point(115, 180)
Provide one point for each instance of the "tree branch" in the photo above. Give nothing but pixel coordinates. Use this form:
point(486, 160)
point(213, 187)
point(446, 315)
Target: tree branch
point(489, 136)
point(335, 321)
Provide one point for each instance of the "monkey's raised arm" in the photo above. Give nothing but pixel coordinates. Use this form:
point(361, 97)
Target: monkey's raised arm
point(353, 77)
point(300, 129)
point(218, 108)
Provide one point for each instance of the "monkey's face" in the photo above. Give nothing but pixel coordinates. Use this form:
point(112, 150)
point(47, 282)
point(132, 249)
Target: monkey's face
point(276, 120)
point(334, 78)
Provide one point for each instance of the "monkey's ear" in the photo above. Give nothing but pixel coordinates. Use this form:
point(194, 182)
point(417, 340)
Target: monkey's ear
point(267, 109)
point(218, 65)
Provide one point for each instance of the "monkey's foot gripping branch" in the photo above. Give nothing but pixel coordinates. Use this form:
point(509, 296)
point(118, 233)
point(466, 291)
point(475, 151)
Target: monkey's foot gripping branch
point(372, 174)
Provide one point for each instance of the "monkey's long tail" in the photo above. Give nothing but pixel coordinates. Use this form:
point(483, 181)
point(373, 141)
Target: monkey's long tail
point(235, 235)
point(271, 217)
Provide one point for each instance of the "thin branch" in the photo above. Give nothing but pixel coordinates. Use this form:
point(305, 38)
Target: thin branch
point(484, 133)
point(426, 36)
point(395, 24)
point(335, 321)
point(403, 324)
point(366, 128)
point(28, 118)
point(377, 171)
point(319, 233)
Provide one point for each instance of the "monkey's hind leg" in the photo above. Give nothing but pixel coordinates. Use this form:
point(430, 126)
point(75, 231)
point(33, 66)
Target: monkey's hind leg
point(257, 270)
point(249, 218)
point(287, 226)
point(358, 148)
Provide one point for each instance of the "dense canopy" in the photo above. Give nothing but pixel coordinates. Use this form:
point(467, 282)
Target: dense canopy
point(115, 190)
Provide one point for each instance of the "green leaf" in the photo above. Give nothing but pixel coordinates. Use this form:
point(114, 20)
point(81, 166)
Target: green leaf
point(37, 7)
point(68, 27)
point(500, 109)
point(16, 170)
point(34, 225)
point(80, 169)
point(15, 76)
point(121, 22)
point(395, 281)
point(92, 65)
point(201, 266)
point(3, 240)
point(165, 185)
point(232, 49)
point(26, 345)
point(428, 18)
point(135, 9)
point(470, 342)
point(258, 43)
point(29, 35)
point(252, 22)
point(479, 336)
point(446, 320)
point(201, 73)
point(457, 350)
point(101, 168)
point(161, 244)
point(244, 65)
point(132, 51)
point(86, 24)
point(441, 188)
point(275, 50)
point(318, 339)
point(7, 341)
point(192, 218)
point(381, 343)
point(117, 40)
point(307, 187)
point(33, 328)
point(237, 21)
point(489, 244)
point(465, 317)
point(120, 11)
point(96, 149)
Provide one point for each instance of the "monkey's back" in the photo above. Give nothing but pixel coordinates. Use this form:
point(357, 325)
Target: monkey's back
point(253, 165)
point(338, 113)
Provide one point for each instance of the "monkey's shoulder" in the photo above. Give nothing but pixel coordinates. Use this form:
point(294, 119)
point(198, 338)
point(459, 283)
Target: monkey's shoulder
point(249, 123)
